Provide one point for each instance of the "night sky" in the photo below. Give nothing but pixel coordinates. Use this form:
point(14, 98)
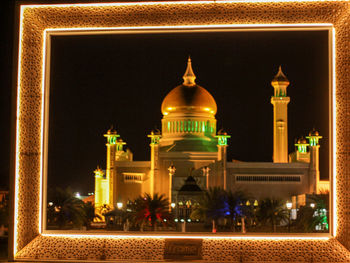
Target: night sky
point(121, 80)
point(6, 70)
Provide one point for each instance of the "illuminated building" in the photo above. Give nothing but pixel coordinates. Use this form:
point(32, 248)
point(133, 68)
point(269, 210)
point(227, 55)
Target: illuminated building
point(189, 145)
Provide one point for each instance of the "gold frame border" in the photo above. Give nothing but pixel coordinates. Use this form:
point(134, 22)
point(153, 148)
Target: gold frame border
point(35, 21)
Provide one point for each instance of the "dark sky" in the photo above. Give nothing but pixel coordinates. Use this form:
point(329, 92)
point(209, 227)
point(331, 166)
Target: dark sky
point(101, 80)
point(6, 68)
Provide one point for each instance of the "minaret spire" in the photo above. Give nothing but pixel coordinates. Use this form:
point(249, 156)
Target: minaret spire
point(189, 76)
point(280, 83)
point(280, 102)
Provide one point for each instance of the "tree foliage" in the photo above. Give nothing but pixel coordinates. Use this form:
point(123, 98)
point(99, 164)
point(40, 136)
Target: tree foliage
point(151, 211)
point(65, 209)
point(272, 211)
point(219, 204)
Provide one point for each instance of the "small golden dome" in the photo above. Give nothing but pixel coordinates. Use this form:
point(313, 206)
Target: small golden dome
point(111, 131)
point(222, 132)
point(314, 133)
point(189, 97)
point(302, 140)
point(280, 78)
point(155, 132)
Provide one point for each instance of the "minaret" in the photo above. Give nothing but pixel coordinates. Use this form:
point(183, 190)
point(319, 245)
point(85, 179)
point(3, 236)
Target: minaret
point(155, 136)
point(111, 144)
point(280, 112)
point(314, 169)
point(222, 154)
point(99, 190)
point(301, 152)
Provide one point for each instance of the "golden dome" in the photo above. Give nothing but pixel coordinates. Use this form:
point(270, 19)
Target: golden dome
point(155, 132)
point(189, 97)
point(222, 132)
point(280, 78)
point(314, 133)
point(111, 131)
point(302, 140)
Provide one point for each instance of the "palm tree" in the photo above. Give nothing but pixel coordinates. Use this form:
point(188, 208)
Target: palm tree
point(65, 209)
point(238, 207)
point(272, 211)
point(310, 217)
point(151, 210)
point(90, 215)
point(212, 206)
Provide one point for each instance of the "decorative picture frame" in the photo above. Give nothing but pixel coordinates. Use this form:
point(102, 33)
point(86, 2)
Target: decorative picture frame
point(37, 22)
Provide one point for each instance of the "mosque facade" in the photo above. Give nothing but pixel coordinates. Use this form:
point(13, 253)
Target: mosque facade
point(189, 154)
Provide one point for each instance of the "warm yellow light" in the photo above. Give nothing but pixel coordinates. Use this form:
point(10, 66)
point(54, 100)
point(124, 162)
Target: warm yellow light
point(334, 134)
point(120, 205)
point(169, 3)
point(189, 236)
point(157, 28)
point(18, 139)
point(193, 28)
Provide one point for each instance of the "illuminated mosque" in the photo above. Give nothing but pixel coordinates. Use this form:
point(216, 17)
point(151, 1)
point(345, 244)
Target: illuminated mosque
point(189, 155)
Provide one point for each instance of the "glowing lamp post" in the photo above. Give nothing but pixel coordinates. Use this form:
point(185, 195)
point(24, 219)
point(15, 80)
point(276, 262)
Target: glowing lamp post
point(171, 170)
point(206, 170)
point(120, 205)
point(289, 206)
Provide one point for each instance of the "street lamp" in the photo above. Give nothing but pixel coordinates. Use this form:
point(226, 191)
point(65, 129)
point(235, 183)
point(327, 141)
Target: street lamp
point(171, 170)
point(289, 206)
point(312, 205)
point(120, 205)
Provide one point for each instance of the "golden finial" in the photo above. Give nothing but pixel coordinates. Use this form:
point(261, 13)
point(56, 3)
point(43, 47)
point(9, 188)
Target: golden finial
point(280, 77)
point(189, 76)
point(98, 171)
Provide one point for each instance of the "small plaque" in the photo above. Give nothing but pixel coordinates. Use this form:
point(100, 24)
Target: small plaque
point(183, 249)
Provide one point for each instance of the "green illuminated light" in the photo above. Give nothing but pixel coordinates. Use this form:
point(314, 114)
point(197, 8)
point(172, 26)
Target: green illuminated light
point(314, 140)
point(112, 138)
point(302, 148)
point(222, 139)
point(154, 139)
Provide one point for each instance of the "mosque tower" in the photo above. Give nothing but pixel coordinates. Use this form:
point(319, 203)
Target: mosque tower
point(154, 171)
point(111, 144)
point(101, 184)
point(314, 172)
point(114, 152)
point(280, 102)
point(222, 155)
